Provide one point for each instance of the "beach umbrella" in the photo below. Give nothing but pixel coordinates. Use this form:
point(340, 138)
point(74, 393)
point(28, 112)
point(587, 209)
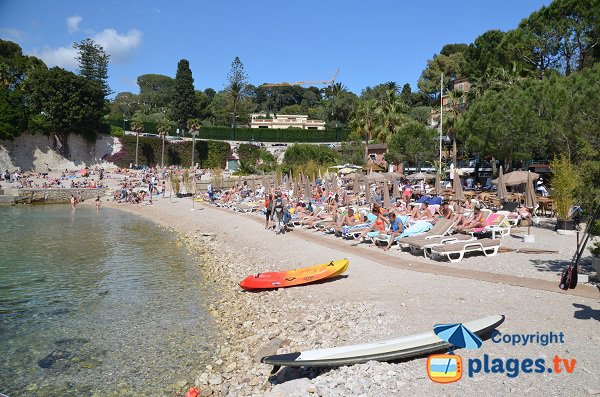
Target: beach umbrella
point(295, 189)
point(457, 185)
point(396, 190)
point(320, 177)
point(376, 177)
point(253, 185)
point(501, 193)
point(387, 203)
point(438, 183)
point(517, 178)
point(420, 175)
point(530, 199)
point(367, 192)
point(334, 184)
point(307, 190)
point(458, 335)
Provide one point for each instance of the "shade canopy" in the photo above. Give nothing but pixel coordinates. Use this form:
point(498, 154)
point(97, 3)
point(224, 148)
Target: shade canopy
point(501, 192)
point(457, 185)
point(376, 177)
point(517, 178)
point(387, 203)
point(530, 199)
point(421, 175)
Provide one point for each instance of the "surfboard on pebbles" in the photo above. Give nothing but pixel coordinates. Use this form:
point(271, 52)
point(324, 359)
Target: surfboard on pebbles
point(385, 350)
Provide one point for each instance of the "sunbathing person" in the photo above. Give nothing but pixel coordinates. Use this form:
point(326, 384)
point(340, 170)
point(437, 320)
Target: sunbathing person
point(396, 229)
point(477, 219)
point(378, 224)
point(444, 211)
point(425, 213)
point(347, 219)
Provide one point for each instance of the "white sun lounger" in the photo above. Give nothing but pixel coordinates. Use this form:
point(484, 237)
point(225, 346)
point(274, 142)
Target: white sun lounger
point(456, 251)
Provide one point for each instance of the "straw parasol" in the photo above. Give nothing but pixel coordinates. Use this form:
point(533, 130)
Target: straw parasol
point(530, 199)
point(387, 203)
point(501, 192)
point(457, 185)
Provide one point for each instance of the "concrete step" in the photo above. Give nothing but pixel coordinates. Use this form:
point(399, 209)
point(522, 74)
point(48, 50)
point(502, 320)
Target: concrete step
point(7, 200)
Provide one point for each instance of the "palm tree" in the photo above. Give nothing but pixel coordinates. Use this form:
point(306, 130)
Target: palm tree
point(365, 120)
point(193, 126)
point(164, 126)
point(392, 114)
point(137, 126)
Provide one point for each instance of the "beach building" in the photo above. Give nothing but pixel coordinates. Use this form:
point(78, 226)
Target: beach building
point(300, 121)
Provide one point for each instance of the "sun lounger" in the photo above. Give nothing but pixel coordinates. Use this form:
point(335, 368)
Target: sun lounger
point(428, 244)
point(441, 228)
point(456, 251)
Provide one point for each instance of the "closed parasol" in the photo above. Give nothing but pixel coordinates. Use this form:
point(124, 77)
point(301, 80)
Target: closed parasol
point(501, 192)
point(457, 185)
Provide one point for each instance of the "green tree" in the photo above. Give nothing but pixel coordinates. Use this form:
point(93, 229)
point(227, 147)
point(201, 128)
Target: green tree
point(364, 122)
point(93, 63)
point(62, 103)
point(451, 66)
point(184, 100)
point(412, 142)
point(157, 92)
point(238, 81)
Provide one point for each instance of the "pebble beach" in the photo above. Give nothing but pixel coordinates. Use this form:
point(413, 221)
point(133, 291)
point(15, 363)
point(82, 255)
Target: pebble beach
point(378, 298)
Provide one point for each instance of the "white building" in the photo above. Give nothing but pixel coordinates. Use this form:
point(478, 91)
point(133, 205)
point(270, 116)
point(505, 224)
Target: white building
point(301, 121)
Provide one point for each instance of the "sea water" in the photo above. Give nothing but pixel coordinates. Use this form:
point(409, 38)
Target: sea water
point(97, 302)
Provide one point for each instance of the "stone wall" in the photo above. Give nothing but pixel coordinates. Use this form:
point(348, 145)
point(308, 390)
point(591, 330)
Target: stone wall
point(55, 196)
point(39, 153)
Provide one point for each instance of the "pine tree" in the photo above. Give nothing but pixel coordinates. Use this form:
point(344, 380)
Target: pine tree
point(237, 79)
point(93, 63)
point(184, 101)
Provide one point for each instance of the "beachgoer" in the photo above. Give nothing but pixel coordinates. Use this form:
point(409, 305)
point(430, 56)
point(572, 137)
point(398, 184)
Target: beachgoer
point(97, 202)
point(477, 219)
point(396, 228)
point(269, 209)
point(73, 201)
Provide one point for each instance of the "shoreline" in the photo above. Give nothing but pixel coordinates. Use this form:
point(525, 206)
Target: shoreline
point(373, 302)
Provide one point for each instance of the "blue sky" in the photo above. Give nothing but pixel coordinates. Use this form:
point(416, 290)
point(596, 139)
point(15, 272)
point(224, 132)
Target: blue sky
point(371, 42)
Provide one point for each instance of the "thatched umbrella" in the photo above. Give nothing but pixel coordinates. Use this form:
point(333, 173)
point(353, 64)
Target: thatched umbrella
point(501, 193)
point(387, 203)
point(458, 190)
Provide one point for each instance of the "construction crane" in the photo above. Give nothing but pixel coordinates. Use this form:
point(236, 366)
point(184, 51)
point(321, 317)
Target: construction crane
point(284, 84)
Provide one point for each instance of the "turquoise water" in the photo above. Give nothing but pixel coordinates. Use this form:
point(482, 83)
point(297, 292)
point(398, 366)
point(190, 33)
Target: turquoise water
point(96, 303)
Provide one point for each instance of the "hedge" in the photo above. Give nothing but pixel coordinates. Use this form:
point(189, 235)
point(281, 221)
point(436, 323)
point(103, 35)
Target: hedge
point(208, 154)
point(256, 134)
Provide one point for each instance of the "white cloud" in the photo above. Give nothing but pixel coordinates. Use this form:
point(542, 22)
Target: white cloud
point(62, 56)
point(118, 46)
point(11, 33)
point(73, 23)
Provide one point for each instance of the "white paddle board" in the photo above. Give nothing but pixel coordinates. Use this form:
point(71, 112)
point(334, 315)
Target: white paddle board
point(385, 350)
